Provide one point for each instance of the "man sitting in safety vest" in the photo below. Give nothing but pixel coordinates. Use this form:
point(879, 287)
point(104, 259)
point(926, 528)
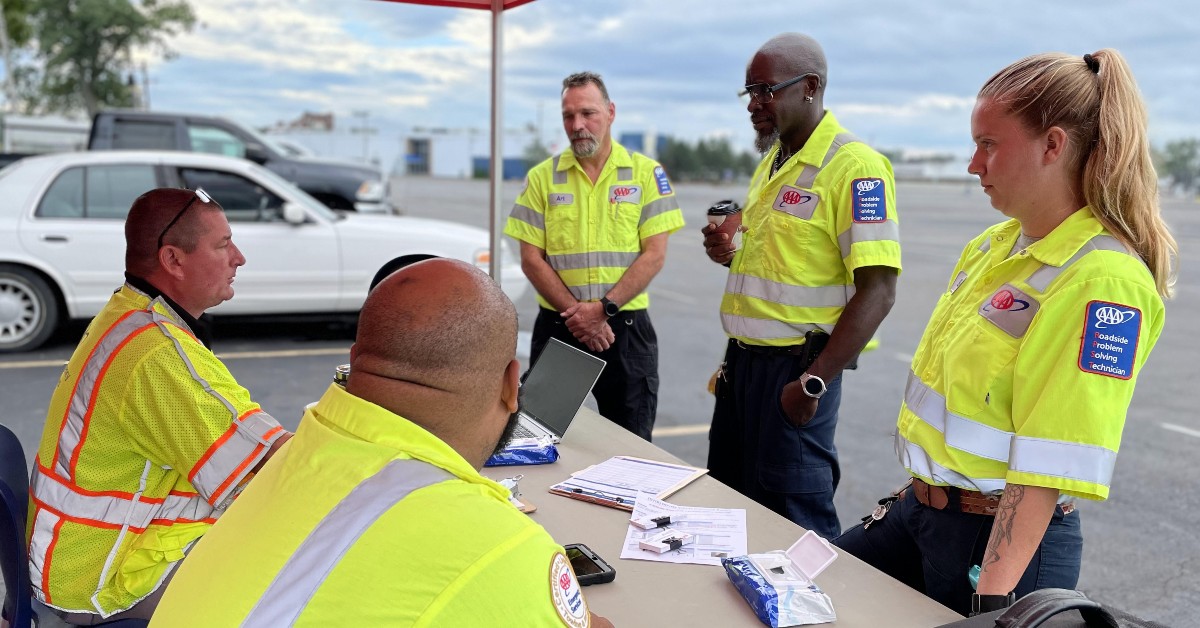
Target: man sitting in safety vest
point(148, 437)
point(375, 514)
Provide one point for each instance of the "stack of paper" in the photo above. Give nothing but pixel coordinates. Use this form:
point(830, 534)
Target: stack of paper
point(617, 481)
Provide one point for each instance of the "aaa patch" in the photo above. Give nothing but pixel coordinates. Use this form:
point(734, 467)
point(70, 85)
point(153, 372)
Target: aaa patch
point(660, 178)
point(565, 591)
point(870, 200)
point(625, 194)
point(1010, 309)
point(796, 201)
point(1110, 339)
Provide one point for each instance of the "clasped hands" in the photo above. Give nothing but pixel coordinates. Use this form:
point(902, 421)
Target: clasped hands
point(589, 325)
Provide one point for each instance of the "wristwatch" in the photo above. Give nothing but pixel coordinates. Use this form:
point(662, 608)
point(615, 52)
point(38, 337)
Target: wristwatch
point(989, 603)
point(610, 308)
point(813, 386)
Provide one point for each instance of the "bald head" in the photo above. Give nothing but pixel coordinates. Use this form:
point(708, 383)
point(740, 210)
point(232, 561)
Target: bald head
point(796, 54)
point(434, 342)
point(149, 216)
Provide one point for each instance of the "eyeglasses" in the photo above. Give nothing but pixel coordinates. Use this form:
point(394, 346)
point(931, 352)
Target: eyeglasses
point(763, 93)
point(198, 194)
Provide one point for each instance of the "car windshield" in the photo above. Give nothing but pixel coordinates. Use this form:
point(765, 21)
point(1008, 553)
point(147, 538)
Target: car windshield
point(298, 194)
point(266, 141)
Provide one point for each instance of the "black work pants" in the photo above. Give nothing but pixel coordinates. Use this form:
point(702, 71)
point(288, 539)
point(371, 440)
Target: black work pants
point(627, 391)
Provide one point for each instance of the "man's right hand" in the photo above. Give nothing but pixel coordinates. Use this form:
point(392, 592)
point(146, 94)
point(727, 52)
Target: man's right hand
point(598, 621)
point(718, 244)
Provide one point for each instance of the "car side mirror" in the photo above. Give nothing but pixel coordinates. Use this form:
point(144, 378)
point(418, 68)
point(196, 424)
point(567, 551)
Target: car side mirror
point(293, 213)
point(257, 153)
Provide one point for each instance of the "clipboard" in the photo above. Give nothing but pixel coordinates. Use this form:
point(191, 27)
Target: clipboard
point(617, 481)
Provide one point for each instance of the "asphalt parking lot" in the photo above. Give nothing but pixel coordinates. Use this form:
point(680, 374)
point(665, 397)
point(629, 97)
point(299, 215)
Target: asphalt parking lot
point(1139, 546)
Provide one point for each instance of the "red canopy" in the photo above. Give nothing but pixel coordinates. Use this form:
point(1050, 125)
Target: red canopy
point(497, 7)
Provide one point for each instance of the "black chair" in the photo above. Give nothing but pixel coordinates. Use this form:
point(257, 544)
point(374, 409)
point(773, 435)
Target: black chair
point(14, 500)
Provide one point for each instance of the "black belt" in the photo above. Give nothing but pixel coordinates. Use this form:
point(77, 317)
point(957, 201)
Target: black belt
point(765, 350)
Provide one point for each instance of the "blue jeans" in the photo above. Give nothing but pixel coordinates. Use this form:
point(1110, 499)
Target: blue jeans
point(753, 448)
point(932, 550)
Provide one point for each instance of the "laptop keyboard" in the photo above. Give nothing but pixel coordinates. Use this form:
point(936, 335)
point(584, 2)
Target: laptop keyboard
point(523, 432)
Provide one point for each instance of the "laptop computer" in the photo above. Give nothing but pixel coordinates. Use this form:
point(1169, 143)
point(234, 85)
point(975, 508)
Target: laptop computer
point(554, 390)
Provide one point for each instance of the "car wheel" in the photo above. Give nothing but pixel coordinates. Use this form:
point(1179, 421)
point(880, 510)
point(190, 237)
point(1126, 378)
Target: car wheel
point(28, 309)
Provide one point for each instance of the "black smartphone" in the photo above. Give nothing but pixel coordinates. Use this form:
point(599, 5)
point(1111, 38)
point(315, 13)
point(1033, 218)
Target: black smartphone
point(589, 567)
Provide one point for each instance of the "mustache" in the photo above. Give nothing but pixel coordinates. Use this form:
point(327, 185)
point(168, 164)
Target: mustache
point(583, 135)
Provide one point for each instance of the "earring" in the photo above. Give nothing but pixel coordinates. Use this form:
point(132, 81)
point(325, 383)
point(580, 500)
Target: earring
point(808, 99)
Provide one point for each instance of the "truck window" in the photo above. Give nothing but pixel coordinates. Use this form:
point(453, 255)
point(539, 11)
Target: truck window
point(243, 199)
point(140, 134)
point(210, 139)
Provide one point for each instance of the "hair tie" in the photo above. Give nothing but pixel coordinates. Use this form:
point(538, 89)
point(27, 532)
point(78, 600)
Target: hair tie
point(1092, 63)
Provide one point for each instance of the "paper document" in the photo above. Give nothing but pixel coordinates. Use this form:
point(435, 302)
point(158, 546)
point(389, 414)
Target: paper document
point(617, 481)
point(717, 532)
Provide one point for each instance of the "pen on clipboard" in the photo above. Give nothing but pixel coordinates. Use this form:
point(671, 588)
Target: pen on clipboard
point(599, 495)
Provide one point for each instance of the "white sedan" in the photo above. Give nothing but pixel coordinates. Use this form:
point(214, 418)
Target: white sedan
point(62, 241)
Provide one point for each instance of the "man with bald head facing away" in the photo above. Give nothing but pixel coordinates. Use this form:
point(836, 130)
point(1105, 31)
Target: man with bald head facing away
point(148, 437)
point(814, 277)
point(376, 514)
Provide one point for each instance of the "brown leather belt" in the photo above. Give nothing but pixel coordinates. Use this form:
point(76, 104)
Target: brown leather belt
point(940, 497)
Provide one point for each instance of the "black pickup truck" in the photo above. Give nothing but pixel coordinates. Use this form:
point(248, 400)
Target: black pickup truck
point(338, 184)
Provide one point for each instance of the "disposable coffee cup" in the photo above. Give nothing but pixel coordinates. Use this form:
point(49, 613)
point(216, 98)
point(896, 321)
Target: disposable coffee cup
point(721, 210)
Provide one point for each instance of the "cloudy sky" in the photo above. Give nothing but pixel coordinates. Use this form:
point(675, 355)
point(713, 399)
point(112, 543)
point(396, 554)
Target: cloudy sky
point(902, 74)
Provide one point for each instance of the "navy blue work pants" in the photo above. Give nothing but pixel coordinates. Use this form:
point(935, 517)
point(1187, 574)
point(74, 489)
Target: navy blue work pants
point(627, 391)
point(754, 450)
point(933, 550)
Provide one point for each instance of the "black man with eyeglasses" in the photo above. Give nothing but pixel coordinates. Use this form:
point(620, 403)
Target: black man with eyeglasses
point(812, 279)
point(148, 437)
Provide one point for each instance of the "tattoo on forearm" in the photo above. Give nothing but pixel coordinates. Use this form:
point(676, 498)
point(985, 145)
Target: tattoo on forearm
point(1002, 529)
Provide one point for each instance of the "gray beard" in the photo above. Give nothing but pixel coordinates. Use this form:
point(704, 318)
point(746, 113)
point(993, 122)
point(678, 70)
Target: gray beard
point(764, 142)
point(588, 148)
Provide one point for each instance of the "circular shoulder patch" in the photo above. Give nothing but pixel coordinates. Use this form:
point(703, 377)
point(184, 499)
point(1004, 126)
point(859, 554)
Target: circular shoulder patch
point(565, 591)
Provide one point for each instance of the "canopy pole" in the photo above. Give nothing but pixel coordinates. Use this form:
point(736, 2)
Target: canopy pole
point(497, 160)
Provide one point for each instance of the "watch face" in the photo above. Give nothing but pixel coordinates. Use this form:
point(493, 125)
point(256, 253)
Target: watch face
point(813, 386)
point(611, 308)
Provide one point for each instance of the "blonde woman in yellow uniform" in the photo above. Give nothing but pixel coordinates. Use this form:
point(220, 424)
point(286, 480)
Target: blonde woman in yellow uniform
point(1019, 388)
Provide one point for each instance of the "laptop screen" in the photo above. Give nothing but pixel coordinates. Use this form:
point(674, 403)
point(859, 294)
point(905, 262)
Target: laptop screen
point(558, 383)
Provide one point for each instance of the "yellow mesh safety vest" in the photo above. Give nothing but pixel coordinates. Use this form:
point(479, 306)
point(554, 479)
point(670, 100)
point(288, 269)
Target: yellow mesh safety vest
point(830, 209)
point(147, 438)
point(1026, 369)
point(366, 519)
point(593, 232)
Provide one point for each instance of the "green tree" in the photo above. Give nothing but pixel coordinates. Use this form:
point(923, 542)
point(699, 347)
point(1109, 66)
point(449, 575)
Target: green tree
point(14, 34)
point(84, 46)
point(1180, 160)
point(535, 153)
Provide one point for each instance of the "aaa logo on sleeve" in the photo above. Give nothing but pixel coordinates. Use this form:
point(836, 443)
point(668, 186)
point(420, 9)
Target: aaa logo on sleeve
point(565, 591)
point(1110, 338)
point(660, 179)
point(870, 200)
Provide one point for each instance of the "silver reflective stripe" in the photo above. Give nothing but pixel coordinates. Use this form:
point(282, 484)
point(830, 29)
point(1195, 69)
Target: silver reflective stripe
point(216, 478)
point(115, 510)
point(960, 432)
point(594, 259)
point(297, 582)
point(86, 385)
point(528, 216)
point(1061, 459)
point(624, 174)
point(765, 328)
point(560, 177)
point(39, 543)
point(660, 206)
point(787, 294)
point(918, 462)
point(590, 292)
point(1042, 277)
point(808, 176)
point(867, 232)
point(986, 246)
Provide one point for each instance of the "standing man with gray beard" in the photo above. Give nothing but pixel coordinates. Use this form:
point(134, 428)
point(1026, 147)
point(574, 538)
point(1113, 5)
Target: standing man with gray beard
point(593, 224)
point(814, 277)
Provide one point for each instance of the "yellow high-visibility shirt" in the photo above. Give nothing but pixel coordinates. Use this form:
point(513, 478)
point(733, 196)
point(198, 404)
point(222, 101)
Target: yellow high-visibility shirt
point(830, 209)
point(1026, 369)
point(147, 438)
point(339, 530)
point(592, 233)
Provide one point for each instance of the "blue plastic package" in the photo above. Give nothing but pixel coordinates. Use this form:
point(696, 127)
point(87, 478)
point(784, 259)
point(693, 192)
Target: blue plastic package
point(779, 586)
point(532, 453)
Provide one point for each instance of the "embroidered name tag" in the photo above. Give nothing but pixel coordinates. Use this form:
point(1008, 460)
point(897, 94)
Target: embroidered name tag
point(1010, 309)
point(625, 194)
point(797, 202)
point(1110, 339)
point(561, 199)
point(660, 178)
point(870, 200)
